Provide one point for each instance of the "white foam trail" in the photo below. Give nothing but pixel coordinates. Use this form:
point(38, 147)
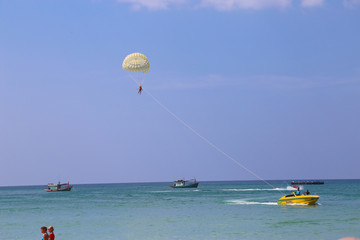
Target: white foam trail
point(242, 202)
point(288, 188)
point(252, 189)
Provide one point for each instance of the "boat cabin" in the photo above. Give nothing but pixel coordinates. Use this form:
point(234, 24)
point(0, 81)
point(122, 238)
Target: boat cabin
point(179, 183)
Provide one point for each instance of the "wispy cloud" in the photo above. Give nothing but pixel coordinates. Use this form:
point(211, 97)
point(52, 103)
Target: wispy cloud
point(152, 4)
point(222, 5)
point(312, 3)
point(245, 4)
point(230, 5)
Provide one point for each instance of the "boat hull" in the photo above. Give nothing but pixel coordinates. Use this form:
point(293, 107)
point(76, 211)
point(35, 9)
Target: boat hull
point(60, 189)
point(298, 200)
point(193, 185)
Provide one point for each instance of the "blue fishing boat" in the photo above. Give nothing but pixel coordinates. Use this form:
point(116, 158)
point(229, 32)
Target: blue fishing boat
point(185, 184)
point(58, 187)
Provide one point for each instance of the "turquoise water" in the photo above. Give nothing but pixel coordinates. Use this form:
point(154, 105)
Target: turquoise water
point(216, 210)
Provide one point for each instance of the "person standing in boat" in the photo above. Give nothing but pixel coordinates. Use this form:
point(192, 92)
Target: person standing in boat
point(298, 191)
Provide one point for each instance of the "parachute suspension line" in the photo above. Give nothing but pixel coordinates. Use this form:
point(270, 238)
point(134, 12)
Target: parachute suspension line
point(136, 82)
point(142, 79)
point(137, 63)
point(209, 142)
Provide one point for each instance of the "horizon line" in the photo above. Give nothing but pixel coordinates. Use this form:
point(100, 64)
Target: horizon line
point(114, 183)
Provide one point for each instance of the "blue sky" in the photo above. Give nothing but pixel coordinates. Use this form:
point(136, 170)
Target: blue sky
point(275, 84)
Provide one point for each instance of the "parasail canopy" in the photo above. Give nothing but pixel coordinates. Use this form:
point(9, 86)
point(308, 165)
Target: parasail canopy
point(136, 62)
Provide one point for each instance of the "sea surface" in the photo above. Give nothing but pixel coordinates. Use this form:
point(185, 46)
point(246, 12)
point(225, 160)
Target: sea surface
point(215, 210)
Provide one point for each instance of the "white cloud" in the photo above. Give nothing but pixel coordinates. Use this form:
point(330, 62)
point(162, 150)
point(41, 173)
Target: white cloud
point(312, 3)
point(217, 4)
point(229, 5)
point(351, 3)
point(152, 4)
point(245, 4)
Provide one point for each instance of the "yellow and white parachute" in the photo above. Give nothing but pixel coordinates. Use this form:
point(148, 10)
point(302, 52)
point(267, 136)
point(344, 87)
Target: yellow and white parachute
point(136, 62)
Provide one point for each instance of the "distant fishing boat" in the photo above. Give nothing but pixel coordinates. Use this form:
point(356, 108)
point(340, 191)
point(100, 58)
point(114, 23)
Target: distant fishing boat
point(185, 184)
point(306, 182)
point(58, 187)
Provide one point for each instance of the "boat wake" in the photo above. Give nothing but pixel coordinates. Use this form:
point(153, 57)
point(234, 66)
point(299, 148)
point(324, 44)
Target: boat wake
point(243, 202)
point(288, 188)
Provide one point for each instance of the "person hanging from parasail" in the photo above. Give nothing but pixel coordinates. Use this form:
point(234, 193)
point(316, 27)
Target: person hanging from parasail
point(138, 64)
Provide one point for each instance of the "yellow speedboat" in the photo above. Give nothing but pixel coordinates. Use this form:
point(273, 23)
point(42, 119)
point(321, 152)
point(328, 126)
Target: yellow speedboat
point(302, 199)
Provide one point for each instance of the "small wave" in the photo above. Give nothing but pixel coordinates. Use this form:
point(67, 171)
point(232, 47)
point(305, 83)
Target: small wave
point(172, 191)
point(161, 191)
point(242, 202)
point(187, 190)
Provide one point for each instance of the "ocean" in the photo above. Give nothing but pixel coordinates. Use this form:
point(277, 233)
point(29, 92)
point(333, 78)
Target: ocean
point(215, 210)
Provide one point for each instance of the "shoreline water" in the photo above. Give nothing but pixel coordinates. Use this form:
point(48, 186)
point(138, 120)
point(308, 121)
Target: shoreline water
point(216, 210)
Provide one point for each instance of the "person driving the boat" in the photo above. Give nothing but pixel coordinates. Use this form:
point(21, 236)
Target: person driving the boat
point(298, 191)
